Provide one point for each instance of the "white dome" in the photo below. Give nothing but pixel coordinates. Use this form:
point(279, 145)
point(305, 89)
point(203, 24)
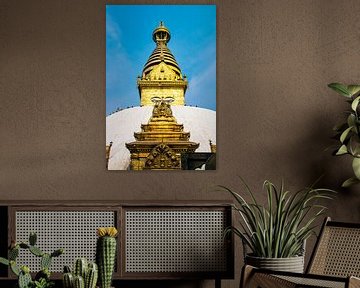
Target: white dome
point(120, 128)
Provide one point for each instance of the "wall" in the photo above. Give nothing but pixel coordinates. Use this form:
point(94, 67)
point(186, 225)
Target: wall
point(275, 113)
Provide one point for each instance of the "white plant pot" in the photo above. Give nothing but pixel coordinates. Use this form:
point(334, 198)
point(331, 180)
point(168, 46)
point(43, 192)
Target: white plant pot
point(291, 264)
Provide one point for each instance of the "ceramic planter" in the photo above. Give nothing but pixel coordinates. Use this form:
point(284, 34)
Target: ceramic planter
point(291, 264)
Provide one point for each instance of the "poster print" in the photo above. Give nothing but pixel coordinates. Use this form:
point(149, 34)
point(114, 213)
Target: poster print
point(161, 87)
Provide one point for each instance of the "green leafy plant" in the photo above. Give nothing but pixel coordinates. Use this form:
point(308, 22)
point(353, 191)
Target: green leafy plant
point(42, 278)
point(348, 132)
point(279, 229)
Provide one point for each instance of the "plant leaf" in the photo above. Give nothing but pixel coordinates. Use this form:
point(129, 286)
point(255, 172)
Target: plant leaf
point(355, 103)
point(353, 89)
point(4, 261)
point(356, 167)
point(345, 134)
point(349, 182)
point(351, 120)
point(342, 150)
point(340, 88)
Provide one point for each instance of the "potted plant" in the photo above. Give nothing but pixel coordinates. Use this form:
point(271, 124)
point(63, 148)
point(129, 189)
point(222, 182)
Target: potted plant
point(42, 278)
point(348, 132)
point(276, 233)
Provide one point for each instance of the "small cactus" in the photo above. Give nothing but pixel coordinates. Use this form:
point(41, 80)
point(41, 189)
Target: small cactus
point(42, 278)
point(106, 254)
point(84, 274)
point(24, 280)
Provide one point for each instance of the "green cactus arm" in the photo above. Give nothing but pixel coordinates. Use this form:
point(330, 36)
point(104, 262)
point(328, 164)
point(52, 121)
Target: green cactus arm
point(13, 253)
point(67, 269)
point(32, 238)
point(24, 245)
point(4, 261)
point(68, 280)
point(57, 252)
point(36, 251)
point(81, 266)
point(24, 280)
point(79, 282)
point(45, 261)
point(91, 275)
point(14, 268)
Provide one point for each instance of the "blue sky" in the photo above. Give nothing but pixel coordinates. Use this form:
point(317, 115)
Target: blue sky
point(129, 44)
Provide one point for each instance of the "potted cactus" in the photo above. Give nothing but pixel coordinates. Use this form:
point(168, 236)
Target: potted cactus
point(42, 278)
point(106, 254)
point(85, 275)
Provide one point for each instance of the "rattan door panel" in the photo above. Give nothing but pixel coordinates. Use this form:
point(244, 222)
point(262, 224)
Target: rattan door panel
point(73, 230)
point(172, 241)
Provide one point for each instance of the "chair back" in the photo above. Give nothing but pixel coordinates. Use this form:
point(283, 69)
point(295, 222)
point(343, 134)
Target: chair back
point(337, 251)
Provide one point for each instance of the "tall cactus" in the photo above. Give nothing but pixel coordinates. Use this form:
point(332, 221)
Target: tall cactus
point(106, 254)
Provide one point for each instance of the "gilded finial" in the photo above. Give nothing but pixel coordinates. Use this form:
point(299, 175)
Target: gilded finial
point(161, 34)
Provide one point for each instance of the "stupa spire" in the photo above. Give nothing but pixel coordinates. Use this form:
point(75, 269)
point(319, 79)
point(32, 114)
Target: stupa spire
point(161, 76)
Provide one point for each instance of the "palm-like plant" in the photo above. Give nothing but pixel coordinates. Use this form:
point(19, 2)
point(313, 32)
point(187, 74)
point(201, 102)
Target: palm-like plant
point(280, 229)
point(349, 132)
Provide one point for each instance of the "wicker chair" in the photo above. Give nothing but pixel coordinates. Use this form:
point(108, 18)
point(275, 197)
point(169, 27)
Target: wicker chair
point(334, 263)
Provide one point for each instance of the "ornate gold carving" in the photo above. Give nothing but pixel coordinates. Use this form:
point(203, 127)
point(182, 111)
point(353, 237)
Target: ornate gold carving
point(162, 157)
point(161, 136)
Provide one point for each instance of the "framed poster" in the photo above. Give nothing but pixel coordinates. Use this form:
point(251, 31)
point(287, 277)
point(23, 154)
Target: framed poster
point(161, 87)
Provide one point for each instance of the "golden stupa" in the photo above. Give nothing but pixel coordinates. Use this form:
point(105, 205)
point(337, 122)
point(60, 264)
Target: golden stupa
point(162, 140)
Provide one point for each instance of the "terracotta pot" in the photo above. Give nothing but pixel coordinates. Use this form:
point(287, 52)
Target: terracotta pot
point(291, 264)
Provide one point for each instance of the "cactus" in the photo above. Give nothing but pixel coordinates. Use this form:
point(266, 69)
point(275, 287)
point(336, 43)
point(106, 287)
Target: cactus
point(79, 282)
point(24, 280)
point(91, 276)
point(36, 251)
point(84, 274)
point(13, 253)
point(45, 261)
point(68, 280)
point(80, 268)
point(42, 278)
point(105, 254)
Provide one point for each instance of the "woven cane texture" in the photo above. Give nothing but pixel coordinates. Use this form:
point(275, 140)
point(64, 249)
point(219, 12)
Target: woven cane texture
point(74, 231)
point(175, 241)
point(261, 280)
point(338, 252)
point(300, 282)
